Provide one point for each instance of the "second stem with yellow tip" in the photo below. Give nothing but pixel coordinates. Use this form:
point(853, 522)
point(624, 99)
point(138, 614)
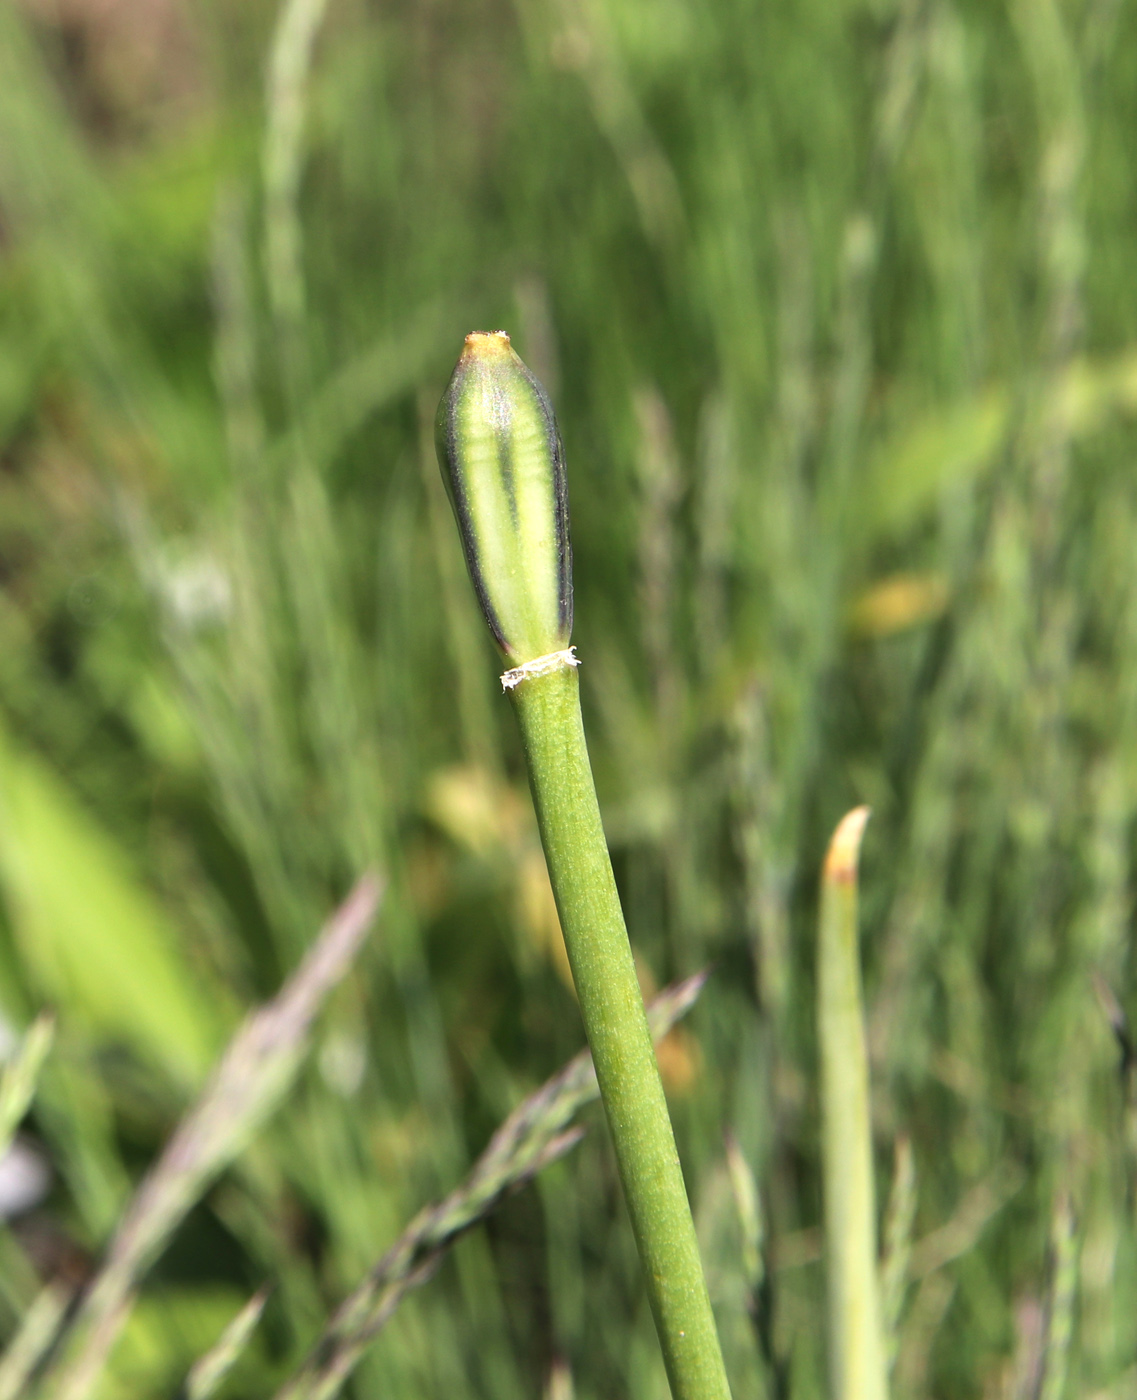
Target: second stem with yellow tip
point(858, 1370)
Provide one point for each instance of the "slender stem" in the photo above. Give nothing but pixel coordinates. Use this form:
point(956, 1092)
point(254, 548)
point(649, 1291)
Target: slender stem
point(548, 709)
point(856, 1349)
point(1063, 1287)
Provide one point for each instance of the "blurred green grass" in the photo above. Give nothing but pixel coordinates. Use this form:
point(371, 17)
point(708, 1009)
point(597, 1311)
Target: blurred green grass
point(837, 305)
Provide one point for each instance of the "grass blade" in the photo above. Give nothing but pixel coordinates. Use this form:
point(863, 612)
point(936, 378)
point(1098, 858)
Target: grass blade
point(37, 1330)
point(536, 1133)
point(212, 1368)
point(248, 1083)
point(18, 1084)
point(895, 1266)
point(857, 1359)
point(1063, 1288)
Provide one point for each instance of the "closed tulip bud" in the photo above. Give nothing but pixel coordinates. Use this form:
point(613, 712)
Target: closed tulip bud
point(503, 464)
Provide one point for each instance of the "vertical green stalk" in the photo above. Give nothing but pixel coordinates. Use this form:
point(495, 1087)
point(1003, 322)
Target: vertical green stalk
point(1060, 1309)
point(548, 710)
point(856, 1351)
point(503, 464)
point(899, 1217)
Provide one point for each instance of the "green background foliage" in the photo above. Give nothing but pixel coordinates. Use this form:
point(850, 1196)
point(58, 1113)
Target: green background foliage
point(837, 304)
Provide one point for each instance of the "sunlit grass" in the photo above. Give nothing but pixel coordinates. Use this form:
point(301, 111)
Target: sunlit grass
point(837, 303)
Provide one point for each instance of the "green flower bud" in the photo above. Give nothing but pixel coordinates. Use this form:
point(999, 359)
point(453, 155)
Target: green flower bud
point(504, 467)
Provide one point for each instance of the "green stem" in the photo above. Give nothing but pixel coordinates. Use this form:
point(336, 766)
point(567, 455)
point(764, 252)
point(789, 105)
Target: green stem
point(856, 1349)
point(548, 709)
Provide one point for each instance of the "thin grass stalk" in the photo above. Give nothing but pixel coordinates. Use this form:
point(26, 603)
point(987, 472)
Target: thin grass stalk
point(38, 1329)
point(209, 1371)
point(857, 1363)
point(1060, 1308)
point(895, 1266)
point(535, 1134)
point(248, 1083)
point(289, 67)
point(18, 1082)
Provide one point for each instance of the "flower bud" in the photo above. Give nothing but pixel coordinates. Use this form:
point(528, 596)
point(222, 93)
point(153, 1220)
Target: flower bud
point(504, 467)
